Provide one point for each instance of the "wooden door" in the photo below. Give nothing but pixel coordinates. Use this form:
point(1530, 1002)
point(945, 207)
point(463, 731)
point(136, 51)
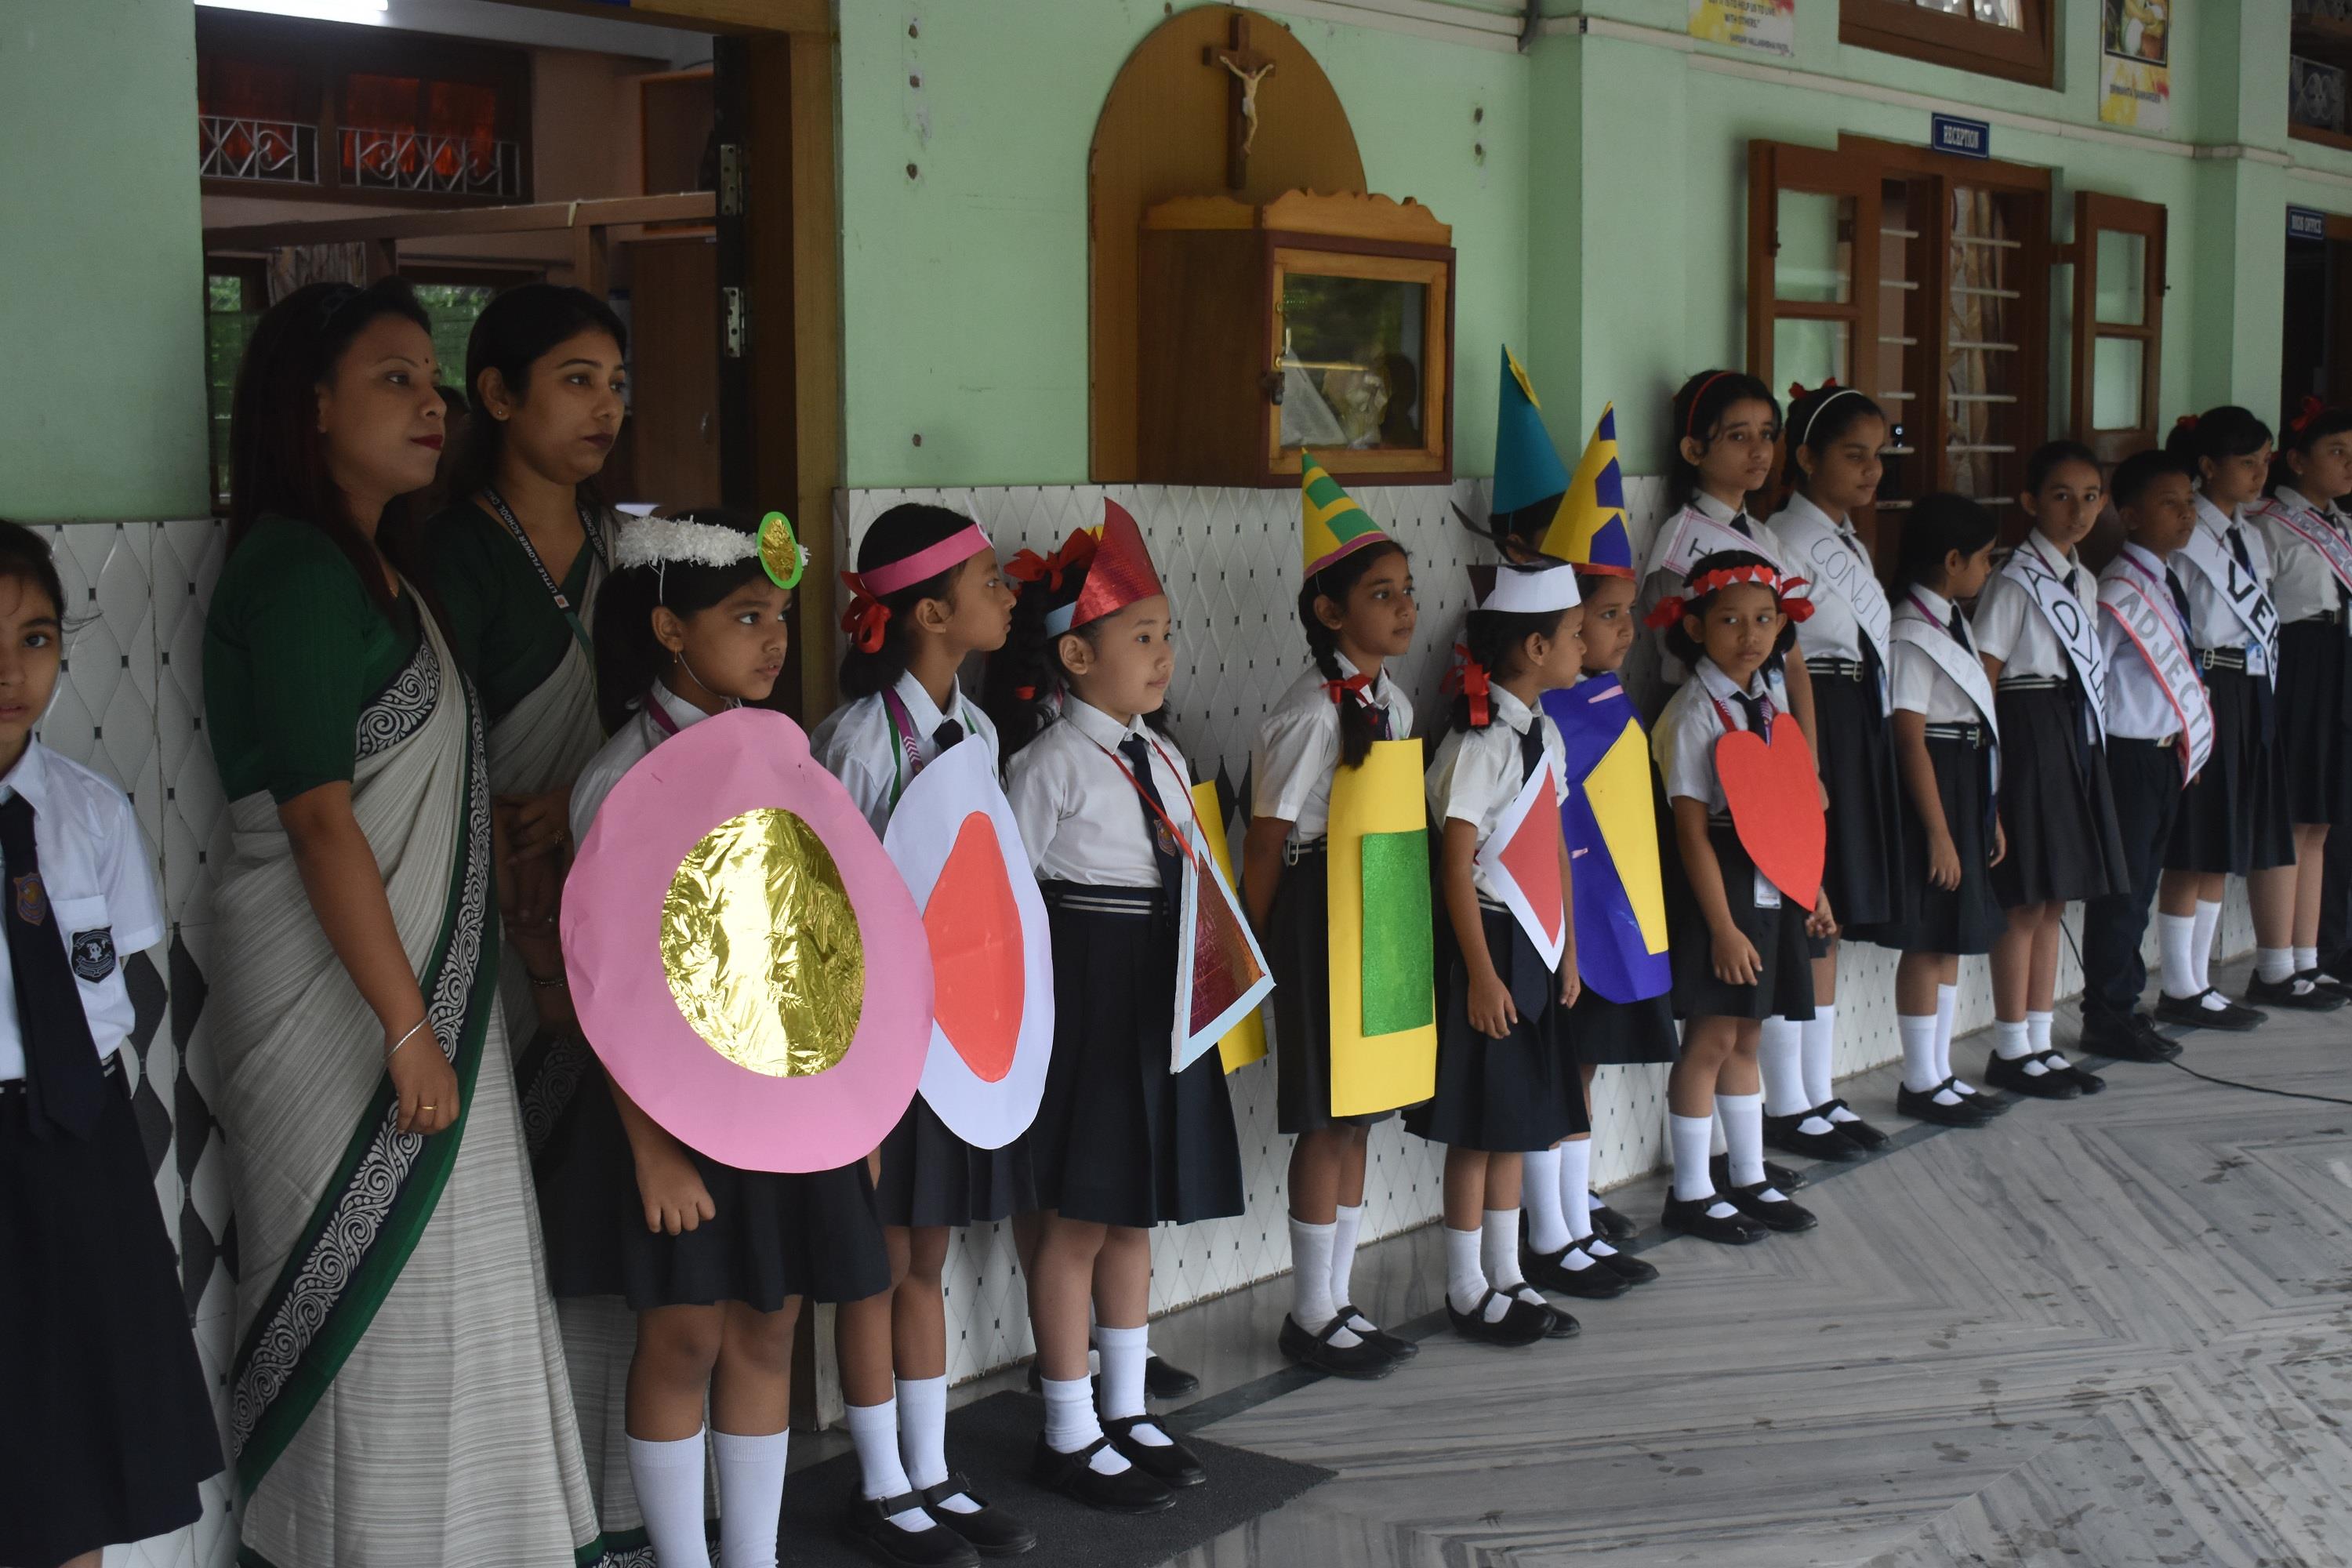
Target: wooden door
point(673, 361)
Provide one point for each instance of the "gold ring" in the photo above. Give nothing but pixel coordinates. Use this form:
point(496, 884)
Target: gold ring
point(424, 1108)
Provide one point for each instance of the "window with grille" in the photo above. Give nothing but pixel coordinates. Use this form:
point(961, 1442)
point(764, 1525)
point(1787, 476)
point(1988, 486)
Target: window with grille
point(1994, 37)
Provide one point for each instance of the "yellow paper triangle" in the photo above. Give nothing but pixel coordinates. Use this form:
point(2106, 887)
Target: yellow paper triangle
point(1619, 788)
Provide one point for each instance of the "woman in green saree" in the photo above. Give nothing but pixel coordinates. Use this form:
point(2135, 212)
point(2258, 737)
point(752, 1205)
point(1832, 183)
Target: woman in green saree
point(399, 1394)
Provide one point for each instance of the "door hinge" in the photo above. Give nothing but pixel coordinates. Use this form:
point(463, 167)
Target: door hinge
point(731, 180)
point(738, 327)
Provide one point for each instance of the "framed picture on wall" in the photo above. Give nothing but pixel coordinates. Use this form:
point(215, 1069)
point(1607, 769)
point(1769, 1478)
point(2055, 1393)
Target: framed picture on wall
point(2316, 96)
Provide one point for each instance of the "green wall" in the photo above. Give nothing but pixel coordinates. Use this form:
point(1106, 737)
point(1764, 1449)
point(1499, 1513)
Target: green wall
point(964, 287)
point(99, 240)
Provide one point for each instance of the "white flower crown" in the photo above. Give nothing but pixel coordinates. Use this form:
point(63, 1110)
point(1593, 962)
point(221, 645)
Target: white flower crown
point(687, 541)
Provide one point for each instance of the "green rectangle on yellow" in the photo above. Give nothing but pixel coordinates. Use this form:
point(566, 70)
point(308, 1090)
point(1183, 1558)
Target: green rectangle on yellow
point(1399, 962)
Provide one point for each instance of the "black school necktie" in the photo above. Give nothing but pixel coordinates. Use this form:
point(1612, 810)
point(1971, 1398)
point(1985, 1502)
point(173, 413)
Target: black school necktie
point(947, 734)
point(1753, 706)
point(1958, 626)
point(2072, 579)
point(1380, 718)
point(1137, 752)
point(1740, 526)
point(1531, 747)
point(64, 1083)
point(2237, 547)
point(2179, 600)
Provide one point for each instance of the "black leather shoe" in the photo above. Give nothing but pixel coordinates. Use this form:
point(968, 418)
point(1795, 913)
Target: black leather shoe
point(1549, 1271)
point(2294, 993)
point(1627, 1268)
point(2087, 1081)
point(1170, 1463)
point(1162, 1381)
point(2190, 1013)
point(1922, 1106)
point(2053, 1082)
point(1397, 1347)
point(1131, 1490)
point(1559, 1325)
point(1786, 1133)
point(1778, 1211)
point(992, 1532)
point(2134, 1039)
point(867, 1527)
point(1992, 1105)
point(1857, 1132)
point(2327, 981)
point(1612, 1224)
point(1363, 1360)
point(1689, 1215)
point(1778, 1175)
point(1522, 1324)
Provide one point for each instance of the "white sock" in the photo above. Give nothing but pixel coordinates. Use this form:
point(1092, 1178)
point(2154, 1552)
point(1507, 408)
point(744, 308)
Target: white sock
point(1465, 1275)
point(2306, 958)
point(1948, 1006)
point(668, 1479)
point(2037, 1032)
point(2177, 935)
point(2275, 963)
point(750, 1496)
point(923, 1436)
point(1689, 1136)
point(1780, 1054)
point(1819, 1032)
point(1498, 1253)
point(1714, 1140)
point(1917, 1031)
point(1311, 1306)
point(1547, 1229)
point(1576, 1186)
point(1347, 1224)
point(874, 1429)
point(1743, 1126)
point(1070, 1423)
point(2208, 922)
point(2010, 1042)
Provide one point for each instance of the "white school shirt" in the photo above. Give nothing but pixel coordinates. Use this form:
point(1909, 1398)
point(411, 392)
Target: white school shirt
point(1297, 748)
point(2303, 585)
point(1831, 632)
point(2216, 624)
point(631, 741)
point(2010, 625)
point(1657, 583)
point(1477, 773)
point(2137, 707)
point(858, 744)
point(96, 872)
point(1684, 738)
point(1079, 815)
point(1920, 684)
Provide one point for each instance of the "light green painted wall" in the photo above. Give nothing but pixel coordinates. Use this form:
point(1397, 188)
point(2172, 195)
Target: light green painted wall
point(965, 286)
point(104, 400)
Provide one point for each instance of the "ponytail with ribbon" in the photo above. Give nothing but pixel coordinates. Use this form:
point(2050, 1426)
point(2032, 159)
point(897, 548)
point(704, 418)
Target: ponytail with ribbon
point(868, 619)
point(1468, 681)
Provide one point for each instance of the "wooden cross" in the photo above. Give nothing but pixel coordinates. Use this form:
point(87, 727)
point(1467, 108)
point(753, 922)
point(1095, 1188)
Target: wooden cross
point(1249, 68)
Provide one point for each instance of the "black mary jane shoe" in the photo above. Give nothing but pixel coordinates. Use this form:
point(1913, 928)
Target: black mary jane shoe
point(1922, 1106)
point(1559, 1326)
point(1131, 1490)
point(1626, 1267)
point(2053, 1082)
point(1522, 1324)
point(1162, 1381)
point(1397, 1347)
point(1549, 1271)
point(1170, 1463)
point(1775, 1174)
point(1689, 1217)
point(992, 1532)
point(866, 1526)
point(2327, 981)
point(1855, 1130)
point(2294, 993)
point(1616, 1226)
point(1776, 1211)
point(1364, 1359)
point(1787, 1134)
point(2190, 1013)
point(2087, 1081)
point(1992, 1105)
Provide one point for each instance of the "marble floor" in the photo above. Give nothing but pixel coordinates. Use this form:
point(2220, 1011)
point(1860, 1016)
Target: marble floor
point(2108, 1332)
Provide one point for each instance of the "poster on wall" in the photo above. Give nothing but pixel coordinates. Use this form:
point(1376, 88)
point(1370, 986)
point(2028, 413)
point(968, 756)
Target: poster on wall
point(1769, 26)
point(2135, 63)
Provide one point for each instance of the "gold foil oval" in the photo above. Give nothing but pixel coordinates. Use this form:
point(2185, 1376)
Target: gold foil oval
point(762, 947)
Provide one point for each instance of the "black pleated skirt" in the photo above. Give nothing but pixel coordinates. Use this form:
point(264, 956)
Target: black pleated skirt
point(1508, 1096)
point(2234, 818)
point(105, 1423)
point(2056, 805)
point(2315, 712)
point(1965, 918)
point(1120, 1139)
point(1784, 986)
point(1601, 1033)
point(1865, 809)
point(931, 1176)
point(775, 1235)
point(1298, 953)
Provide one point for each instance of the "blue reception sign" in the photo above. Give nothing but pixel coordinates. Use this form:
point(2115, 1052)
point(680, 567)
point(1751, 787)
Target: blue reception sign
point(2306, 223)
point(1961, 138)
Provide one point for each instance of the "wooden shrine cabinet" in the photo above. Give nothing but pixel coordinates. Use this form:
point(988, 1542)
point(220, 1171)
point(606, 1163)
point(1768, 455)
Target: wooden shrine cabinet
point(1314, 321)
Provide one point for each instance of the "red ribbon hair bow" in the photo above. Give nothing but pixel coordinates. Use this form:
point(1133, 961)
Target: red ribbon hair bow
point(1361, 685)
point(2312, 409)
point(1797, 389)
point(1028, 567)
point(867, 618)
point(1470, 679)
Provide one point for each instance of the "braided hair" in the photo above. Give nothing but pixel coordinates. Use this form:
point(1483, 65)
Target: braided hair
point(1335, 583)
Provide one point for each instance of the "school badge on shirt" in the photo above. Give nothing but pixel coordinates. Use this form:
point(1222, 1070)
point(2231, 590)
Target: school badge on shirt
point(32, 898)
point(93, 953)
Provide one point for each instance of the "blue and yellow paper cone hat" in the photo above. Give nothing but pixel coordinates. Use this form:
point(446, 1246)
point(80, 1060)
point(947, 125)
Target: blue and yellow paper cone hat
point(1589, 530)
point(1527, 469)
point(1330, 522)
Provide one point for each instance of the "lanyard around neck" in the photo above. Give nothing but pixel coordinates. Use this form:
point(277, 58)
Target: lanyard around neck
point(594, 544)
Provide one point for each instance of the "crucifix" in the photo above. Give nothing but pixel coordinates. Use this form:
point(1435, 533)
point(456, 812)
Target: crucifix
point(1249, 68)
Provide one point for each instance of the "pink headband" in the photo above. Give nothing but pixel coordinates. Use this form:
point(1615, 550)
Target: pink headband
point(928, 562)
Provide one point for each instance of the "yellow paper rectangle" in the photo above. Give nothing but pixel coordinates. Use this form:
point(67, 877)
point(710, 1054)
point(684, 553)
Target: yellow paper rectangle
point(1379, 1073)
point(1246, 1041)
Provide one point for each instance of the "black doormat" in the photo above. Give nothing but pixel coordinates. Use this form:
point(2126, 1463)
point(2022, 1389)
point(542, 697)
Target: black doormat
point(991, 1440)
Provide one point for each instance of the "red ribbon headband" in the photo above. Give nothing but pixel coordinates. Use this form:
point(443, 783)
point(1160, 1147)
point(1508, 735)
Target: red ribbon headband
point(1671, 608)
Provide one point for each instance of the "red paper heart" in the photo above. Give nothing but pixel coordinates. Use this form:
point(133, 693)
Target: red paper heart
point(974, 928)
point(1776, 805)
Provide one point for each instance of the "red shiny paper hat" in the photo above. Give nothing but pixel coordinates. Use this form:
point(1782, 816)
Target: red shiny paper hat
point(1121, 573)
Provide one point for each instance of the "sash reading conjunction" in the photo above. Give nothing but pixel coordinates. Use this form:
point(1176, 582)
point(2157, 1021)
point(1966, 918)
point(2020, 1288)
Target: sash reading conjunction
point(2063, 609)
point(2142, 607)
point(2316, 530)
point(1914, 624)
point(2243, 592)
point(1834, 558)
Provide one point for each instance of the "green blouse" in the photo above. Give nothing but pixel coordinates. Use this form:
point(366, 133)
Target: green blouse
point(505, 627)
point(294, 648)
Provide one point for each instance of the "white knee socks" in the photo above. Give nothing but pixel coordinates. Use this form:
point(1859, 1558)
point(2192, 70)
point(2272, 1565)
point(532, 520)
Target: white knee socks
point(1947, 1003)
point(1743, 1133)
point(2208, 922)
point(1311, 1305)
point(923, 1436)
point(1070, 1423)
point(1123, 1352)
point(1548, 1230)
point(874, 1430)
point(1576, 1186)
point(668, 1479)
point(1820, 1034)
point(1347, 1224)
point(1917, 1031)
point(1465, 1275)
point(1498, 1251)
point(2010, 1042)
point(750, 1496)
point(2177, 934)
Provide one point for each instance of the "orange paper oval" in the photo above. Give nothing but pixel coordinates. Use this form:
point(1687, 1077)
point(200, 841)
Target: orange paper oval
point(974, 928)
